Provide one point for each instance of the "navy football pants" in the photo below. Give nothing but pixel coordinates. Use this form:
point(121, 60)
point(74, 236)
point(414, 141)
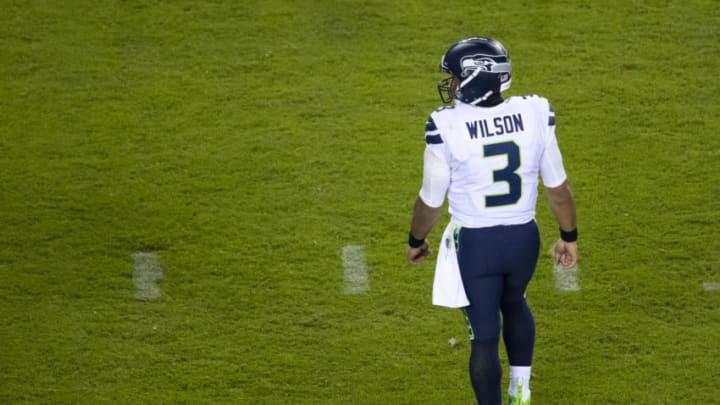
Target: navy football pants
point(496, 265)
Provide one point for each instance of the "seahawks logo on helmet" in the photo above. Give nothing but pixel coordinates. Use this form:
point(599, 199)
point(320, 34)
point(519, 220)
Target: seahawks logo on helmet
point(473, 62)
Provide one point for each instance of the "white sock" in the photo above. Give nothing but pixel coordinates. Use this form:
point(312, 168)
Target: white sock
point(519, 377)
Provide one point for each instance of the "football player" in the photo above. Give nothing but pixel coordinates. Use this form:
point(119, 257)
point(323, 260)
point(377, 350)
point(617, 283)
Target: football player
point(487, 153)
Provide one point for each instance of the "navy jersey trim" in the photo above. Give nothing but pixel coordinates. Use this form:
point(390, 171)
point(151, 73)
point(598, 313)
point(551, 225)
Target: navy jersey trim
point(433, 139)
point(432, 134)
point(551, 118)
point(430, 125)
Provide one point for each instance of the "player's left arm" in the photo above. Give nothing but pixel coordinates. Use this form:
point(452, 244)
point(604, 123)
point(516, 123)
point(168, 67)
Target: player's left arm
point(423, 220)
point(427, 210)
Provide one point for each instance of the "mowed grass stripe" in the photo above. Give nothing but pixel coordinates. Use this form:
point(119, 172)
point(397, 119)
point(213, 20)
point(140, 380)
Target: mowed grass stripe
point(147, 272)
point(355, 269)
point(711, 286)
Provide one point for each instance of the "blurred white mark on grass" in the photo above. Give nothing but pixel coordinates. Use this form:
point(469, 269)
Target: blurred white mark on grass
point(147, 272)
point(711, 286)
point(566, 279)
point(355, 269)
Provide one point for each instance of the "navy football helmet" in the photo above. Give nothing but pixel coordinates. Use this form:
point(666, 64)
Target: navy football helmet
point(479, 68)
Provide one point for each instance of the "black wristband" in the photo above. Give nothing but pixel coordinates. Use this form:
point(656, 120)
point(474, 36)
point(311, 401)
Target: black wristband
point(570, 236)
point(414, 243)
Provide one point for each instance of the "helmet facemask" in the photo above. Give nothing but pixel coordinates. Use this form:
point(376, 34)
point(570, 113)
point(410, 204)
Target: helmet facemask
point(448, 88)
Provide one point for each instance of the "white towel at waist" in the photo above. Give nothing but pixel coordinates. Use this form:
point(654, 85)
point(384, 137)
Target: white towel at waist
point(448, 289)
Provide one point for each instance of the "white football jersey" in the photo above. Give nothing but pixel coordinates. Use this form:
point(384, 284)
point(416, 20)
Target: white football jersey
point(489, 159)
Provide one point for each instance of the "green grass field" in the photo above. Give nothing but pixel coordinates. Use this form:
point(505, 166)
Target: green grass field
point(247, 143)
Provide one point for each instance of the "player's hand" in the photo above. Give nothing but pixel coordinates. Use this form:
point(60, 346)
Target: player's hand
point(416, 255)
point(566, 253)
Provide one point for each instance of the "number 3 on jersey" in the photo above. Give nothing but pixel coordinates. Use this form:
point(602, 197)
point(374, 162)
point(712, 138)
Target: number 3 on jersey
point(507, 174)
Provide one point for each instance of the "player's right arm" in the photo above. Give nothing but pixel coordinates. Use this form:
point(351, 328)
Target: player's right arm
point(559, 193)
point(562, 206)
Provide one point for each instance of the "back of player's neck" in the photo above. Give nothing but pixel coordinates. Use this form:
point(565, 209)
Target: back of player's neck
point(494, 100)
